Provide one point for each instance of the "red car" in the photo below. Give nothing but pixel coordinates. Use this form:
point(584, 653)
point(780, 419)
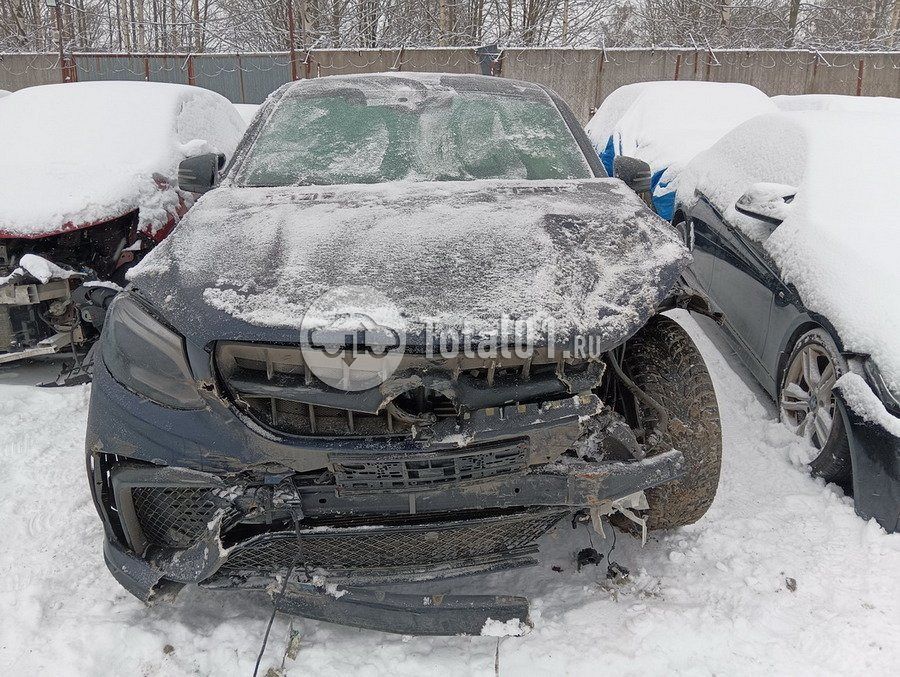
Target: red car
point(88, 185)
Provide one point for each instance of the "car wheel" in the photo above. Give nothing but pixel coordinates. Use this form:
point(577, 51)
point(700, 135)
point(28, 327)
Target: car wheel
point(664, 362)
point(807, 403)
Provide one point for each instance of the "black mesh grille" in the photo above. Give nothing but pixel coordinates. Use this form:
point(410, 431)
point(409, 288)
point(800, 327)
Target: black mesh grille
point(174, 517)
point(421, 545)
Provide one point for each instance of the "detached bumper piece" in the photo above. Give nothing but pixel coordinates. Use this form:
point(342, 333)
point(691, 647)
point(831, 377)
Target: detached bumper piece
point(407, 614)
point(168, 526)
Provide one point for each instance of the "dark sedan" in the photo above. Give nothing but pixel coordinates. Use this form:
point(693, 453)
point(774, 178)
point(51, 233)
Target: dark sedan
point(796, 354)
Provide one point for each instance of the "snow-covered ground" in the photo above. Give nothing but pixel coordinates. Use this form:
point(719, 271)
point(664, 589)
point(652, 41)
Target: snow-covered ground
point(779, 577)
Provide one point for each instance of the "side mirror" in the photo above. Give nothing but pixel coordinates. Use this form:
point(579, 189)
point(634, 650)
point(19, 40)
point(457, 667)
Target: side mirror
point(635, 173)
point(200, 174)
point(769, 202)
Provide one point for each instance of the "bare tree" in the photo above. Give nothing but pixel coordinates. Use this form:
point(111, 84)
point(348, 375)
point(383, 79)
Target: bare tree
point(232, 25)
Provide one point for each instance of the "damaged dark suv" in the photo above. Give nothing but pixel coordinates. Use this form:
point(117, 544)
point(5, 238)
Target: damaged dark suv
point(413, 328)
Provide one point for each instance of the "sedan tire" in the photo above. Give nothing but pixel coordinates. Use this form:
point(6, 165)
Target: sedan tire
point(807, 404)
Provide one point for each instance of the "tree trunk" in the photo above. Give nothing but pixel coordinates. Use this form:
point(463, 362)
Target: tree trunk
point(793, 13)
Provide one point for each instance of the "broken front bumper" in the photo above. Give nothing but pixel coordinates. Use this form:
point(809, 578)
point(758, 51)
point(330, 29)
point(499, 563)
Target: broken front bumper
point(204, 497)
point(417, 536)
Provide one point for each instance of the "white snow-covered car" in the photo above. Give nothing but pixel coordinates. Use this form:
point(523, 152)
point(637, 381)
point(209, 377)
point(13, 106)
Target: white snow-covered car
point(799, 248)
point(666, 124)
point(88, 185)
point(247, 111)
point(838, 103)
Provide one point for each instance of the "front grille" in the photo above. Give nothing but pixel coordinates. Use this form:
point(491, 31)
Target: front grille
point(275, 386)
point(365, 473)
point(174, 517)
point(395, 546)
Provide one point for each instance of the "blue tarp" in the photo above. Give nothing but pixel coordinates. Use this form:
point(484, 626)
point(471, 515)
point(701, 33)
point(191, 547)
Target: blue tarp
point(664, 205)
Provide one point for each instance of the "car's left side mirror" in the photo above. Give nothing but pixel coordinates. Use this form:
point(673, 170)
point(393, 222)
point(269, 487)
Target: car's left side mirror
point(200, 174)
point(768, 202)
point(635, 173)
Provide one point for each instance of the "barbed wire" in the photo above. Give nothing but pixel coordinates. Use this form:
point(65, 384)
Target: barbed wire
point(214, 65)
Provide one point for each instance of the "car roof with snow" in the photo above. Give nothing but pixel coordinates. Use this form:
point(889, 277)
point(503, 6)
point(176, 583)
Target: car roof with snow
point(667, 123)
point(837, 102)
point(839, 240)
point(82, 153)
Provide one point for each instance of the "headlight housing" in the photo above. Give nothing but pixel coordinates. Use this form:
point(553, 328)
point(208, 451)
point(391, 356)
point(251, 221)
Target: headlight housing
point(147, 357)
point(889, 397)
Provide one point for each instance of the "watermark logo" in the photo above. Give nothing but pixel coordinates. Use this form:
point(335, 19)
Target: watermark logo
point(354, 338)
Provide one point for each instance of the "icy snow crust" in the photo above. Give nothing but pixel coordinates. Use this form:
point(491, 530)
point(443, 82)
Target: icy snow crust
point(586, 255)
point(80, 153)
point(839, 242)
point(665, 124)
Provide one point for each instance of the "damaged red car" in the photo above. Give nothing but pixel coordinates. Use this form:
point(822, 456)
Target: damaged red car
point(88, 187)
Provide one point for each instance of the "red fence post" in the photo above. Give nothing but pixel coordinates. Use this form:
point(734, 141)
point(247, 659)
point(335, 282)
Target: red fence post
point(859, 77)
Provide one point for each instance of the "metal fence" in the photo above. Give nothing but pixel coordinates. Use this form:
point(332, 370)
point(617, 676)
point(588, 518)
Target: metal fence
point(583, 77)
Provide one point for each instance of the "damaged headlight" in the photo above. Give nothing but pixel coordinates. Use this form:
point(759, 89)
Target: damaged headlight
point(147, 357)
point(888, 396)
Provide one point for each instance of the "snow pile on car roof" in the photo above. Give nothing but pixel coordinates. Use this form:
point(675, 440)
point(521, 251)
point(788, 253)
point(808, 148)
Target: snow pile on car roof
point(665, 124)
point(80, 153)
point(837, 102)
point(587, 256)
point(840, 241)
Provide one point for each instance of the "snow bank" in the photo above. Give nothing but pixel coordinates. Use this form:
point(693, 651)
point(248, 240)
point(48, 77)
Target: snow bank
point(840, 239)
point(75, 154)
point(667, 123)
point(838, 102)
point(4, 93)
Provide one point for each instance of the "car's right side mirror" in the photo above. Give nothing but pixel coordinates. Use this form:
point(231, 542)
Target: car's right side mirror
point(635, 173)
point(768, 202)
point(200, 174)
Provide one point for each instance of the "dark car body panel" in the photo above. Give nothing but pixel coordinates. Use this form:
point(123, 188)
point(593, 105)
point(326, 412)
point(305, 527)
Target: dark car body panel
point(764, 317)
point(228, 490)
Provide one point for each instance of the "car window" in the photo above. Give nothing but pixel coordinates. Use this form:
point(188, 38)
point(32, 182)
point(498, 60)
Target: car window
point(346, 136)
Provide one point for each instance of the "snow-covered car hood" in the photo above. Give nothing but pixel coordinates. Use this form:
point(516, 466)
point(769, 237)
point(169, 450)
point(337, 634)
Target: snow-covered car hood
point(247, 263)
point(77, 154)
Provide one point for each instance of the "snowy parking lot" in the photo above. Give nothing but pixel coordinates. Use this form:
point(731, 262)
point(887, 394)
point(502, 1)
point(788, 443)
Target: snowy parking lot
point(779, 577)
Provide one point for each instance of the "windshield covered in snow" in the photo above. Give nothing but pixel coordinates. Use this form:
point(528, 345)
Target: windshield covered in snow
point(373, 130)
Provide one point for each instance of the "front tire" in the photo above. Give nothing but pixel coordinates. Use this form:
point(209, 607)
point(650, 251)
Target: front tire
point(663, 361)
point(807, 403)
